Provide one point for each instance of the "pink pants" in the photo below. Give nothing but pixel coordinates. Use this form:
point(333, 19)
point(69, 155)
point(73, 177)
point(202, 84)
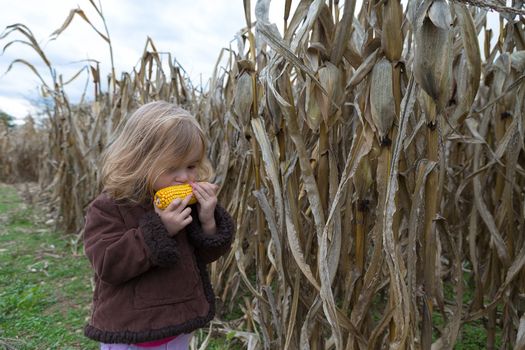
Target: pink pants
point(182, 342)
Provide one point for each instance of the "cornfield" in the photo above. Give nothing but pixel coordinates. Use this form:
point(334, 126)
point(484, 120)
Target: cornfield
point(373, 159)
point(20, 149)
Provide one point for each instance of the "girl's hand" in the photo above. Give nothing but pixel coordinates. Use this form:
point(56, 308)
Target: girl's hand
point(206, 194)
point(176, 216)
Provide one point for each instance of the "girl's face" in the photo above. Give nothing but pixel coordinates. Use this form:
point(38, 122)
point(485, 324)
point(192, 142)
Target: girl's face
point(181, 173)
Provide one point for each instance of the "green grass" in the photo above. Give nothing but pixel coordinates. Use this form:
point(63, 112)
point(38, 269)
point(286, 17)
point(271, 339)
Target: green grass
point(472, 335)
point(45, 288)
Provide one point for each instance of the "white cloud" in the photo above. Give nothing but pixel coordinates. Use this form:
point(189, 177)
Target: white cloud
point(192, 31)
point(17, 106)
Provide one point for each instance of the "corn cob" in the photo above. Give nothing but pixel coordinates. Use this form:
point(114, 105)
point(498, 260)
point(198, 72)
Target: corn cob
point(382, 99)
point(433, 55)
point(166, 195)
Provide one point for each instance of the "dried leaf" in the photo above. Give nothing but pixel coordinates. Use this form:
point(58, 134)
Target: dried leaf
point(470, 64)
point(439, 14)
point(67, 22)
point(269, 32)
point(363, 70)
point(392, 35)
point(343, 32)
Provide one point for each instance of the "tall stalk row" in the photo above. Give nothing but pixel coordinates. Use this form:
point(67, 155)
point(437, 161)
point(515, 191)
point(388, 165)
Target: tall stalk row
point(372, 158)
point(383, 146)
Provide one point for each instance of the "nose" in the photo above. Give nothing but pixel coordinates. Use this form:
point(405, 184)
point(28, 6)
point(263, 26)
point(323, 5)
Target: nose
point(182, 176)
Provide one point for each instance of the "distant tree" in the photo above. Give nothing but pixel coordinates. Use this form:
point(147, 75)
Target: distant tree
point(42, 107)
point(6, 119)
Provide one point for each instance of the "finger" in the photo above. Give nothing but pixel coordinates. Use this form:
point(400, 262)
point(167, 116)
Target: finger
point(173, 205)
point(211, 189)
point(187, 220)
point(208, 194)
point(186, 212)
point(197, 188)
point(185, 201)
point(200, 194)
point(177, 205)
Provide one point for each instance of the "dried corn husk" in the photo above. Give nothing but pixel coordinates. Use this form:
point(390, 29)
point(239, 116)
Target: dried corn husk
point(391, 35)
point(331, 79)
point(382, 97)
point(243, 100)
point(433, 52)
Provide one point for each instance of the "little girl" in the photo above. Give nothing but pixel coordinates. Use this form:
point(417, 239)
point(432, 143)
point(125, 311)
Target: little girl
point(152, 288)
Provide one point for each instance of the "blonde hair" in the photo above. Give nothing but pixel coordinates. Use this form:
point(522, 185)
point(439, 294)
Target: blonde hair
point(156, 137)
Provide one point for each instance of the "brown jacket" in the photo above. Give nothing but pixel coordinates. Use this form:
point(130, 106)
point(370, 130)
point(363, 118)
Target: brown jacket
point(149, 285)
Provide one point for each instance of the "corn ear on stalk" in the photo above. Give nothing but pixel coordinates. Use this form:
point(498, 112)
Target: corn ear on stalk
point(382, 99)
point(433, 52)
point(166, 195)
point(392, 35)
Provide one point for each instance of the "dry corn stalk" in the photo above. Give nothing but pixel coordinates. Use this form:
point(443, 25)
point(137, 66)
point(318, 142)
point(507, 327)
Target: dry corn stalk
point(321, 261)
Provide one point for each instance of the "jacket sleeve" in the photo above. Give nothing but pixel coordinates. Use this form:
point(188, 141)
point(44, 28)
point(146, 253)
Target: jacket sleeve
point(119, 254)
point(211, 247)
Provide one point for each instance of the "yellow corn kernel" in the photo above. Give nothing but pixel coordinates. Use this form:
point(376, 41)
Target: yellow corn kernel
point(166, 195)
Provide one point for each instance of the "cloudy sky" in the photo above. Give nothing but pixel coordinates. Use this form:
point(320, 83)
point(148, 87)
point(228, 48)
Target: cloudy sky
point(193, 31)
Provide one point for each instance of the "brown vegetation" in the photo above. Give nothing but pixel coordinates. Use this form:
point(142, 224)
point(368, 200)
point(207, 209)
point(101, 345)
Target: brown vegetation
point(373, 160)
